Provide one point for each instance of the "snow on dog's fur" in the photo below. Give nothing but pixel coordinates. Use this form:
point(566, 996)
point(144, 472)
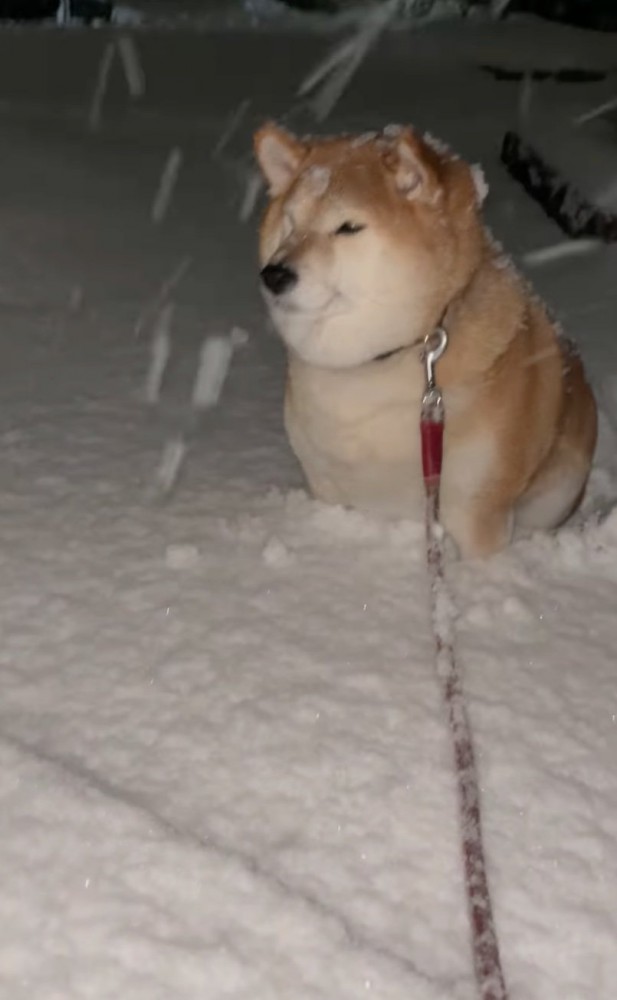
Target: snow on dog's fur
point(365, 248)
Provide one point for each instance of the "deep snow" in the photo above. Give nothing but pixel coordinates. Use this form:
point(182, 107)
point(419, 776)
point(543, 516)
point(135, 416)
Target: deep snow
point(226, 769)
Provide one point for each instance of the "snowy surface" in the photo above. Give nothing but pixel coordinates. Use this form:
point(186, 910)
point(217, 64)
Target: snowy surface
point(225, 765)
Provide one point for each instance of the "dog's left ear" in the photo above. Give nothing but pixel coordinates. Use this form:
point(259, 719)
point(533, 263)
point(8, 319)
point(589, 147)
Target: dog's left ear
point(279, 154)
point(414, 165)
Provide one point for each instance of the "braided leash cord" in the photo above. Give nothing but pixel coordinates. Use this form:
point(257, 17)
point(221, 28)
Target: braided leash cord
point(485, 947)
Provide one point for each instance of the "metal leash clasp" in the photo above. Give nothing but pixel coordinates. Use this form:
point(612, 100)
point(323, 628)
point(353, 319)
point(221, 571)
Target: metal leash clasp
point(432, 413)
point(435, 344)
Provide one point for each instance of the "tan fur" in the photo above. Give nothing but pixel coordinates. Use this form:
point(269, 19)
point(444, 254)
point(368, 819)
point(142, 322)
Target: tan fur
point(520, 416)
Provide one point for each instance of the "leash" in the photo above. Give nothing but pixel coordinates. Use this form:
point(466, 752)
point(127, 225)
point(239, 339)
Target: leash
point(485, 947)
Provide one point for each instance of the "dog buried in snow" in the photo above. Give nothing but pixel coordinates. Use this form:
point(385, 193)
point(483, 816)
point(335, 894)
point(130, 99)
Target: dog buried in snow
point(367, 245)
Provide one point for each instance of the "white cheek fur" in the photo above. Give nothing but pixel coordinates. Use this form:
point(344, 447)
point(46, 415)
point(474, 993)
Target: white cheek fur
point(287, 227)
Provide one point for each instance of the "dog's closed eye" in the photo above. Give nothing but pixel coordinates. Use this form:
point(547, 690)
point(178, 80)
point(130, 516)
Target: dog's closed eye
point(349, 229)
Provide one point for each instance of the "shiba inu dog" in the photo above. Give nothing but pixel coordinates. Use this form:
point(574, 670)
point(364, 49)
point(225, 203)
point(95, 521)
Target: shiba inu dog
point(366, 246)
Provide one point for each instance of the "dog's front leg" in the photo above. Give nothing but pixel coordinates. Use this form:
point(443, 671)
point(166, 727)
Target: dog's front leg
point(476, 510)
point(479, 528)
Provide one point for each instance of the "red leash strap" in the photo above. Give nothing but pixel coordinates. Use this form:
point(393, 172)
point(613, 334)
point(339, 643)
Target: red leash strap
point(485, 947)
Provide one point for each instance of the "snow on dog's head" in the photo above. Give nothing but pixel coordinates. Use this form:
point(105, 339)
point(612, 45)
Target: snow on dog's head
point(363, 243)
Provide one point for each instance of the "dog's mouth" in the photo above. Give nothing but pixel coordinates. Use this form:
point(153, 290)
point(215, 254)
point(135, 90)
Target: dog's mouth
point(286, 306)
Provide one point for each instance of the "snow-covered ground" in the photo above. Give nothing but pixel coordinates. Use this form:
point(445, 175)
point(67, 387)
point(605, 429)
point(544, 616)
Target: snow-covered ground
point(226, 770)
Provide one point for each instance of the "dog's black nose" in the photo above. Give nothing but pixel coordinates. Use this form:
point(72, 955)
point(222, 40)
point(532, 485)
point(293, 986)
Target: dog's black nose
point(278, 278)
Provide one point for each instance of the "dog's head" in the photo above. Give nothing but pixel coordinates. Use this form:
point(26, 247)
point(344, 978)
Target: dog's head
point(364, 241)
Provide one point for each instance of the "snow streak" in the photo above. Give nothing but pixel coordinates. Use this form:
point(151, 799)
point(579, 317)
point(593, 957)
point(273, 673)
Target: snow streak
point(150, 311)
point(100, 87)
point(160, 351)
point(167, 185)
point(332, 76)
point(133, 69)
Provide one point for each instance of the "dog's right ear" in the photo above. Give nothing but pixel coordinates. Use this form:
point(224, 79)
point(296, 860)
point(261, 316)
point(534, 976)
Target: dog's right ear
point(414, 163)
point(279, 154)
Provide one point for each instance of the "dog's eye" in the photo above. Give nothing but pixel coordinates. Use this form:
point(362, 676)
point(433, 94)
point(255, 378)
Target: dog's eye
point(349, 229)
